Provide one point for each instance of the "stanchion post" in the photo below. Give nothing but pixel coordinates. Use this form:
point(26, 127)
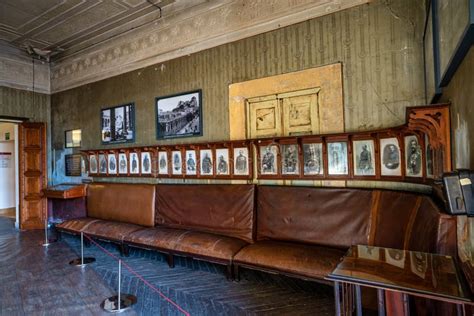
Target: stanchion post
point(120, 302)
point(119, 284)
point(82, 262)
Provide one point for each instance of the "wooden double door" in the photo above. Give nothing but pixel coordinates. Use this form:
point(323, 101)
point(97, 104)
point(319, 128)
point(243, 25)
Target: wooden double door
point(33, 175)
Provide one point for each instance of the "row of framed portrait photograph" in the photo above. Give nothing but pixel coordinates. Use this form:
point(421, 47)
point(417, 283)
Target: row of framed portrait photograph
point(306, 157)
point(226, 160)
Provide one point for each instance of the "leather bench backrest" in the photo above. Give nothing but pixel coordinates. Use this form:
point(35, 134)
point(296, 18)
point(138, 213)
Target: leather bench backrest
point(127, 203)
point(331, 217)
point(222, 209)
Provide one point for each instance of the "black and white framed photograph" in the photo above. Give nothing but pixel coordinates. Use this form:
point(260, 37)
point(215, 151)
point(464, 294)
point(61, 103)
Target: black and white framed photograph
point(179, 115)
point(134, 163)
point(112, 163)
point(429, 158)
point(191, 162)
point(145, 162)
point(364, 157)
point(241, 161)
point(268, 160)
point(313, 159)
point(222, 162)
point(176, 163)
point(163, 163)
point(93, 164)
point(122, 163)
point(337, 158)
point(290, 159)
point(118, 124)
point(206, 167)
point(390, 157)
point(413, 157)
point(102, 164)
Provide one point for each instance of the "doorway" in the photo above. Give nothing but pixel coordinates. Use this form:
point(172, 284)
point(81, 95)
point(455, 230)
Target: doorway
point(9, 171)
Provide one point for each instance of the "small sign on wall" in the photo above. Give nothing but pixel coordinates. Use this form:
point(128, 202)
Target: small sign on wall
point(73, 165)
point(5, 160)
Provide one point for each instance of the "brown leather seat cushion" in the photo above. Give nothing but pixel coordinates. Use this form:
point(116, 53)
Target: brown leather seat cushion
point(114, 231)
point(159, 237)
point(76, 225)
point(305, 260)
point(213, 208)
point(209, 245)
point(127, 203)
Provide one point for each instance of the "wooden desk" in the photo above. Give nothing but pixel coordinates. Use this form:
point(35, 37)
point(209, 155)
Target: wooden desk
point(65, 201)
point(408, 272)
point(65, 191)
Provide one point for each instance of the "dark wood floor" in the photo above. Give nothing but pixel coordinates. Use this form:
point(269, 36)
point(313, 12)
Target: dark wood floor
point(38, 281)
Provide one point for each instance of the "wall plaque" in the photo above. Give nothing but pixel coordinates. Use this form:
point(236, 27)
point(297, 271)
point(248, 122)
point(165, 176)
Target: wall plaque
point(73, 165)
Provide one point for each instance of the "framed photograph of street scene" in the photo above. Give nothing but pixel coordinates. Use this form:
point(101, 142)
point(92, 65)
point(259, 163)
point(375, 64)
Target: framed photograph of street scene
point(118, 124)
point(163, 163)
point(179, 115)
point(364, 157)
point(313, 159)
point(413, 157)
point(112, 163)
point(134, 163)
point(206, 162)
point(337, 158)
point(222, 162)
point(123, 164)
point(390, 157)
point(145, 163)
point(241, 161)
point(191, 162)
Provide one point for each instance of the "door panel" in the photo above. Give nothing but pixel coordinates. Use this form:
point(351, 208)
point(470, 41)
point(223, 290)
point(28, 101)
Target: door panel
point(33, 175)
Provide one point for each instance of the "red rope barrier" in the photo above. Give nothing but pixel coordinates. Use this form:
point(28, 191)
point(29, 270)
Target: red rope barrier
point(139, 277)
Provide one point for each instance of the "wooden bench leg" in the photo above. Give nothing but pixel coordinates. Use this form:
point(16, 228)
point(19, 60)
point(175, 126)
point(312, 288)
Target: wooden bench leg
point(170, 260)
point(236, 273)
point(230, 272)
point(59, 236)
point(87, 242)
point(124, 250)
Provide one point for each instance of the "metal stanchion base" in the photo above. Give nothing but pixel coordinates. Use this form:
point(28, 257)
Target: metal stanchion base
point(50, 241)
point(78, 261)
point(111, 304)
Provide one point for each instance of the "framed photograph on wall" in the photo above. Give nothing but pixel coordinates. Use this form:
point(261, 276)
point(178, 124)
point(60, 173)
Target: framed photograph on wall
point(241, 161)
point(429, 158)
point(122, 164)
point(313, 159)
point(413, 157)
point(112, 163)
point(73, 138)
point(222, 162)
point(179, 115)
point(145, 162)
point(118, 124)
point(337, 158)
point(364, 157)
point(390, 157)
point(176, 163)
point(206, 162)
point(290, 161)
point(191, 162)
point(134, 163)
point(163, 168)
point(102, 164)
point(268, 159)
point(93, 165)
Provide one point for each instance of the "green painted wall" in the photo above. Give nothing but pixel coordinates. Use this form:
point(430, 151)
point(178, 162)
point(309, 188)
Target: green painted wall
point(380, 46)
point(21, 103)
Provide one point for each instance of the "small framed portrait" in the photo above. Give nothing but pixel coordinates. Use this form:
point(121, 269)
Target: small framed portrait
point(337, 158)
point(313, 159)
point(269, 159)
point(206, 167)
point(191, 162)
point(145, 162)
point(429, 158)
point(413, 157)
point(122, 163)
point(290, 164)
point(179, 115)
point(102, 164)
point(176, 163)
point(364, 157)
point(222, 162)
point(93, 164)
point(241, 161)
point(112, 163)
point(163, 163)
point(118, 124)
point(134, 163)
point(390, 157)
